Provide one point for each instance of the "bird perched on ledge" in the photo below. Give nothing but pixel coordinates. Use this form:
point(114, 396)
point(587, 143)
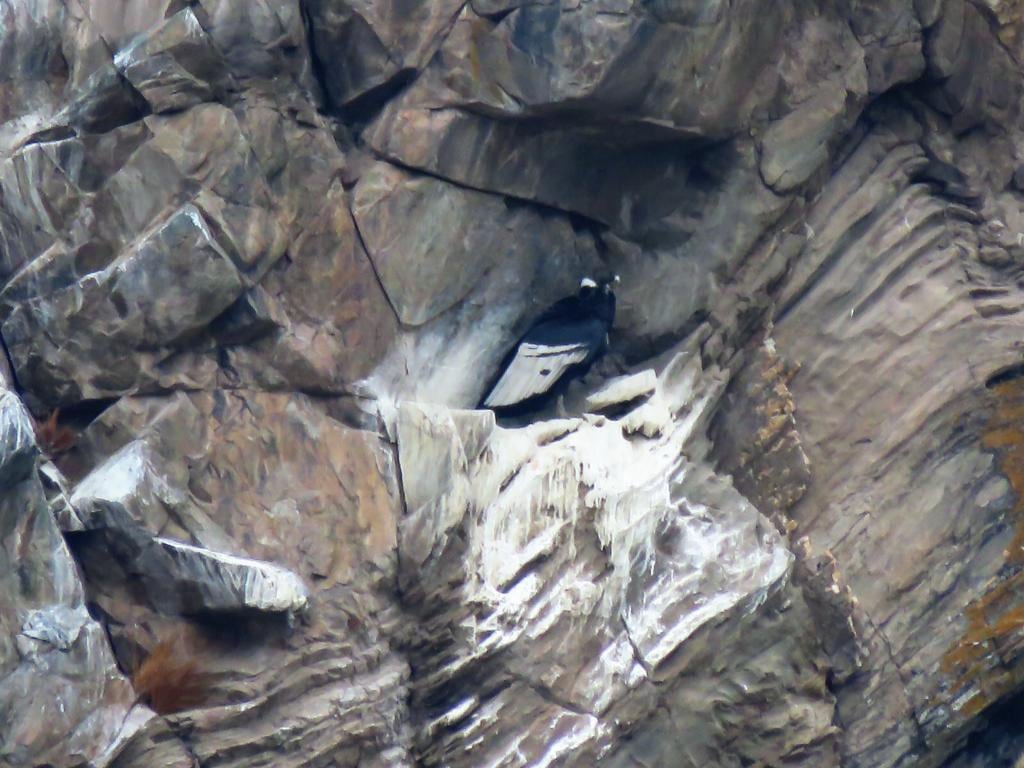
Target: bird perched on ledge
point(562, 344)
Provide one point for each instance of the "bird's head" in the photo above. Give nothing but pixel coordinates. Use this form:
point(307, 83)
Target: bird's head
point(599, 298)
point(590, 287)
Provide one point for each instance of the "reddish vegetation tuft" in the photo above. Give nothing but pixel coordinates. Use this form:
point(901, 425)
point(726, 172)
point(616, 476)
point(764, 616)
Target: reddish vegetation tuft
point(171, 678)
point(53, 438)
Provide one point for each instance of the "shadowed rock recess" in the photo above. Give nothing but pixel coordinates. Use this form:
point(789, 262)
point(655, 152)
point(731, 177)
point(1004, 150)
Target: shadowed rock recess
point(260, 258)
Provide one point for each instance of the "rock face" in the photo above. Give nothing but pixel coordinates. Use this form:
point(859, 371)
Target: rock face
point(559, 553)
point(59, 673)
point(259, 260)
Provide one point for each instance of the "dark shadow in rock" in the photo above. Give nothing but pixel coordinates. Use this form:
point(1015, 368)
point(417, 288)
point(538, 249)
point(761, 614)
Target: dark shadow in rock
point(637, 350)
point(1005, 375)
point(999, 743)
point(85, 412)
point(365, 107)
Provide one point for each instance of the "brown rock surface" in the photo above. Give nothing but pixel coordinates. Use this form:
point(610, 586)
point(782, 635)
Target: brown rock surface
point(259, 259)
point(57, 676)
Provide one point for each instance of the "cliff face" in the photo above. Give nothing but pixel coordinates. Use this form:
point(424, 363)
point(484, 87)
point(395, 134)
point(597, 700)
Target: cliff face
point(264, 257)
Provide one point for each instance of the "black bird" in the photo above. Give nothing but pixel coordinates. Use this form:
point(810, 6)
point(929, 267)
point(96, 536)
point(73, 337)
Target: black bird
point(563, 343)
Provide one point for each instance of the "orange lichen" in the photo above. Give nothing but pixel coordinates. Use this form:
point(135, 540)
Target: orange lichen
point(1006, 438)
point(983, 662)
point(171, 678)
point(52, 437)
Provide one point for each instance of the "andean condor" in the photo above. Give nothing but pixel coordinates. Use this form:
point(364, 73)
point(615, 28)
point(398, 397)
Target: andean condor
point(564, 342)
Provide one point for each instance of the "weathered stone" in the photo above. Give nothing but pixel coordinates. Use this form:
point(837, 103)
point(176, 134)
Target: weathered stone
point(540, 58)
point(978, 79)
point(757, 436)
point(31, 62)
point(554, 548)
point(1009, 24)
point(105, 101)
point(153, 744)
point(541, 262)
point(907, 394)
point(88, 239)
point(796, 146)
point(296, 151)
point(363, 45)
point(326, 514)
point(39, 200)
point(167, 288)
point(532, 64)
point(622, 390)
point(119, 23)
point(59, 498)
point(175, 66)
point(208, 149)
point(664, 288)
point(63, 701)
point(254, 315)
point(18, 450)
point(339, 325)
point(227, 204)
point(630, 189)
point(128, 491)
point(140, 271)
point(262, 40)
point(890, 33)
point(432, 243)
point(221, 582)
point(354, 497)
point(129, 500)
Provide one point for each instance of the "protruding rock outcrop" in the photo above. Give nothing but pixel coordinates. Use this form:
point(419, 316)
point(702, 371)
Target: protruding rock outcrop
point(258, 259)
point(59, 677)
point(535, 546)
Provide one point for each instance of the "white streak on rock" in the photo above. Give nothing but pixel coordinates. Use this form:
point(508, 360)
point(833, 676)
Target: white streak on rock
point(226, 582)
point(623, 389)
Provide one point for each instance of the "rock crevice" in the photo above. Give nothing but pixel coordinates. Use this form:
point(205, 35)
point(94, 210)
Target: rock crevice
point(258, 262)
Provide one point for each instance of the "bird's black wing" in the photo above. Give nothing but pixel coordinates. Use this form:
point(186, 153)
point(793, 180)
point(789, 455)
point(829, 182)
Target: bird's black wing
point(553, 346)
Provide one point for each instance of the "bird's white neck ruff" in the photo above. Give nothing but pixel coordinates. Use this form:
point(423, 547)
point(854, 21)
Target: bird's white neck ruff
point(586, 282)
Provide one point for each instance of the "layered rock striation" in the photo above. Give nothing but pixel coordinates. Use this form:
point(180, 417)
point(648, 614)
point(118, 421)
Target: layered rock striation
point(259, 260)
